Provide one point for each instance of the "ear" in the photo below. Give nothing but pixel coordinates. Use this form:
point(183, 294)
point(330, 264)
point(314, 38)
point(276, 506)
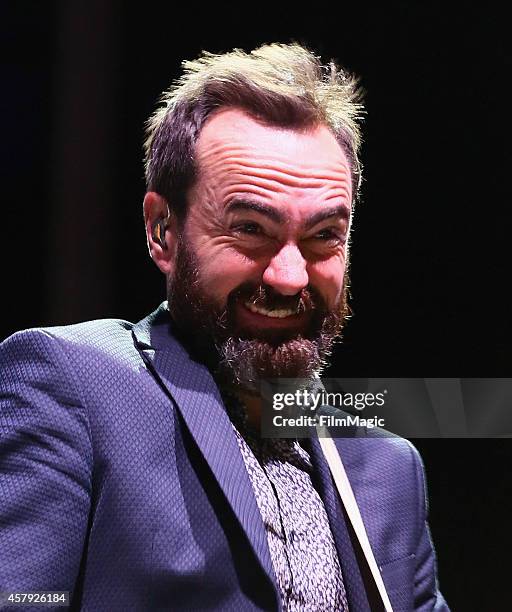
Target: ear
point(156, 209)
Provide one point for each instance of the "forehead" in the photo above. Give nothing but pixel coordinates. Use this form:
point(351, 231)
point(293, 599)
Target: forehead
point(231, 139)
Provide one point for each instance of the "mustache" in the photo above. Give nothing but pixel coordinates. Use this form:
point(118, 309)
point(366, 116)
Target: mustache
point(266, 297)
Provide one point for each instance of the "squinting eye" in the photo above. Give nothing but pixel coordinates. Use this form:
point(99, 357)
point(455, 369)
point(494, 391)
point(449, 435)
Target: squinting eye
point(250, 229)
point(327, 235)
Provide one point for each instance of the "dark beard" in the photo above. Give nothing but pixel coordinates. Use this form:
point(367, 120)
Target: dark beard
point(242, 357)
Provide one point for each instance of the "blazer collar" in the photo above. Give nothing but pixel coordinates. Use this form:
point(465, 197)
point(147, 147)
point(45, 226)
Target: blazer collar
point(197, 397)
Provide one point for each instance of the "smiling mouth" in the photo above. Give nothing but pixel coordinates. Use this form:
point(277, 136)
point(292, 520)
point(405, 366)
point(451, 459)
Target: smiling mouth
point(271, 323)
point(278, 313)
point(256, 319)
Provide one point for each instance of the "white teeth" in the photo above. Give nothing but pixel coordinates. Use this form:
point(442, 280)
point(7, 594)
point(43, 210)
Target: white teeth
point(276, 314)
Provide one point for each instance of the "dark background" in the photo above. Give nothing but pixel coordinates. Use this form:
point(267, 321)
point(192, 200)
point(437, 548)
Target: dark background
point(430, 253)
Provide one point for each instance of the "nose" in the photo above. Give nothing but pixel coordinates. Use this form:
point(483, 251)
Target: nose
point(286, 272)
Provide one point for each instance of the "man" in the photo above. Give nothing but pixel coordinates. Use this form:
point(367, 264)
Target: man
point(133, 474)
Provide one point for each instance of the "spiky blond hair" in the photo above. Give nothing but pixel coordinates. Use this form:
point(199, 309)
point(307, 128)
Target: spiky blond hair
point(281, 84)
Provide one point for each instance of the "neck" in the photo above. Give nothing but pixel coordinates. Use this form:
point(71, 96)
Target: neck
point(252, 403)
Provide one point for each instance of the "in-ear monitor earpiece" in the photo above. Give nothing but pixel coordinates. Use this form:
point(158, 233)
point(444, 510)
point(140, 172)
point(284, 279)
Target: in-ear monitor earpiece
point(159, 232)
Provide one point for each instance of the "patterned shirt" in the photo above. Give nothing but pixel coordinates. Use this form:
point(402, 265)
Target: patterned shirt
point(299, 537)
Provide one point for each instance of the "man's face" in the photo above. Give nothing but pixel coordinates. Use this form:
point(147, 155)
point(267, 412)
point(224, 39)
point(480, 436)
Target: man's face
point(261, 262)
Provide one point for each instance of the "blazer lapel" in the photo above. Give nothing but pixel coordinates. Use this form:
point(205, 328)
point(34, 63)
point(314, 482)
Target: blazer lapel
point(354, 585)
point(198, 399)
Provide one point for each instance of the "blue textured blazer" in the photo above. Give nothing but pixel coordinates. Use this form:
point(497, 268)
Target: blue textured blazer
point(121, 481)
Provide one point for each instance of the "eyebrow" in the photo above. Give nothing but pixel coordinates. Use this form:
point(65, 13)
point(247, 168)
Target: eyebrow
point(335, 212)
point(341, 211)
point(240, 204)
